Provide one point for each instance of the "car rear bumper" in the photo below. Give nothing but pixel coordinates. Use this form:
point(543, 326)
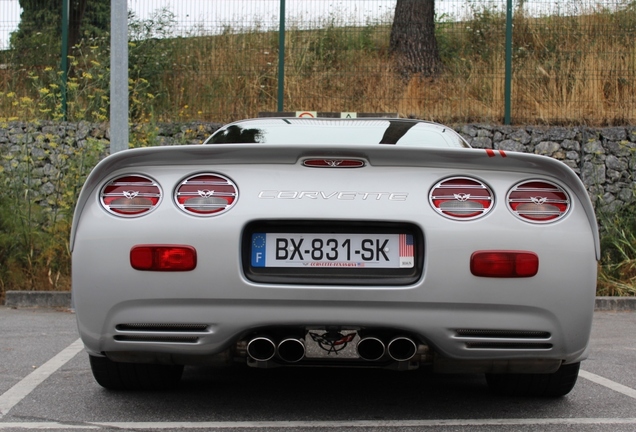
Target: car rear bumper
point(453, 330)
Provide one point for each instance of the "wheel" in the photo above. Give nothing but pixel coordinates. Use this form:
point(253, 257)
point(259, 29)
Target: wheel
point(134, 376)
point(554, 384)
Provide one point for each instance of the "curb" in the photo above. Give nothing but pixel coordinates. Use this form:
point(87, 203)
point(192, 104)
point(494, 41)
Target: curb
point(34, 299)
point(615, 304)
point(62, 299)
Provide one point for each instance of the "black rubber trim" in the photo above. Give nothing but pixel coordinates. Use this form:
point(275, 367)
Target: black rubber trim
point(333, 276)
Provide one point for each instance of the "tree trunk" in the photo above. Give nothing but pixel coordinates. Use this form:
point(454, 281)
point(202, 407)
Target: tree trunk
point(76, 16)
point(413, 42)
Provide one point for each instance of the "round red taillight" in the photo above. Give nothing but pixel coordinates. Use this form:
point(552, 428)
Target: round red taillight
point(206, 194)
point(461, 198)
point(131, 195)
point(538, 201)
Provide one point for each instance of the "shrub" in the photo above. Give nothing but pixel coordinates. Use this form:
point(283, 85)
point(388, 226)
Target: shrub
point(36, 211)
point(617, 269)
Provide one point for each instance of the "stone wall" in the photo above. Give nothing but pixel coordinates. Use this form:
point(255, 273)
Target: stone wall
point(42, 158)
point(604, 158)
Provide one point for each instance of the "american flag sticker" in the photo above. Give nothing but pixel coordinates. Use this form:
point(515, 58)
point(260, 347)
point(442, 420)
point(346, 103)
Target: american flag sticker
point(406, 251)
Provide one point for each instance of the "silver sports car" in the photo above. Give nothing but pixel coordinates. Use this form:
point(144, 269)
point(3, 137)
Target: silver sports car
point(385, 243)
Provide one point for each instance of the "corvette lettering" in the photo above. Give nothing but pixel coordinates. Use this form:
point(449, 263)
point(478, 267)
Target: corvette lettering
point(335, 195)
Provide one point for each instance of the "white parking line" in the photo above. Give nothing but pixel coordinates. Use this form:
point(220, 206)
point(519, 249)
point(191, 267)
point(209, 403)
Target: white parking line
point(627, 391)
point(15, 394)
point(324, 424)
point(45, 426)
point(371, 424)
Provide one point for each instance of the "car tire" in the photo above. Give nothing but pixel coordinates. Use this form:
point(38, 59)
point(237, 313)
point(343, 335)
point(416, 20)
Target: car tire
point(554, 384)
point(134, 376)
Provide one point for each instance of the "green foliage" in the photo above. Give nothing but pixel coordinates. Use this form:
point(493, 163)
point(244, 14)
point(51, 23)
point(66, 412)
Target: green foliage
point(617, 269)
point(87, 90)
point(37, 41)
point(479, 37)
point(35, 225)
point(96, 19)
point(151, 53)
point(329, 45)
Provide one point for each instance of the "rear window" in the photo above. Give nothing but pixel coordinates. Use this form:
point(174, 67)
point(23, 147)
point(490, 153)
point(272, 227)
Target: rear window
point(291, 131)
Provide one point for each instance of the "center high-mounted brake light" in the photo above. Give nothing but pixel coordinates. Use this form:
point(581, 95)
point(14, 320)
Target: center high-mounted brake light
point(504, 264)
point(163, 258)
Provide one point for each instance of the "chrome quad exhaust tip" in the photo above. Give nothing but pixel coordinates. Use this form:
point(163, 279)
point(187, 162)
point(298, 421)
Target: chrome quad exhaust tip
point(291, 350)
point(370, 348)
point(402, 348)
point(261, 348)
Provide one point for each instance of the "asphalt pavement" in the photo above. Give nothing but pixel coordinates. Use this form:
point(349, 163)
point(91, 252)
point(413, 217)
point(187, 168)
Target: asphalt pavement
point(46, 384)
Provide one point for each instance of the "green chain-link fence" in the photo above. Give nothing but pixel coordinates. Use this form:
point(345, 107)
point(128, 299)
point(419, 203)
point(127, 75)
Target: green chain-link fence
point(573, 62)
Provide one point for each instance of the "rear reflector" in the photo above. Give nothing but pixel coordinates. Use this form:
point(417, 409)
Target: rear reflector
point(163, 257)
point(504, 264)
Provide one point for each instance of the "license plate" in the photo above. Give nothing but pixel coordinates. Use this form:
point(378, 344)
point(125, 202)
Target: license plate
point(324, 250)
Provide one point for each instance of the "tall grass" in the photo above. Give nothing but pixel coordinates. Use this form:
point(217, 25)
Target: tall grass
point(582, 67)
point(567, 70)
point(578, 69)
